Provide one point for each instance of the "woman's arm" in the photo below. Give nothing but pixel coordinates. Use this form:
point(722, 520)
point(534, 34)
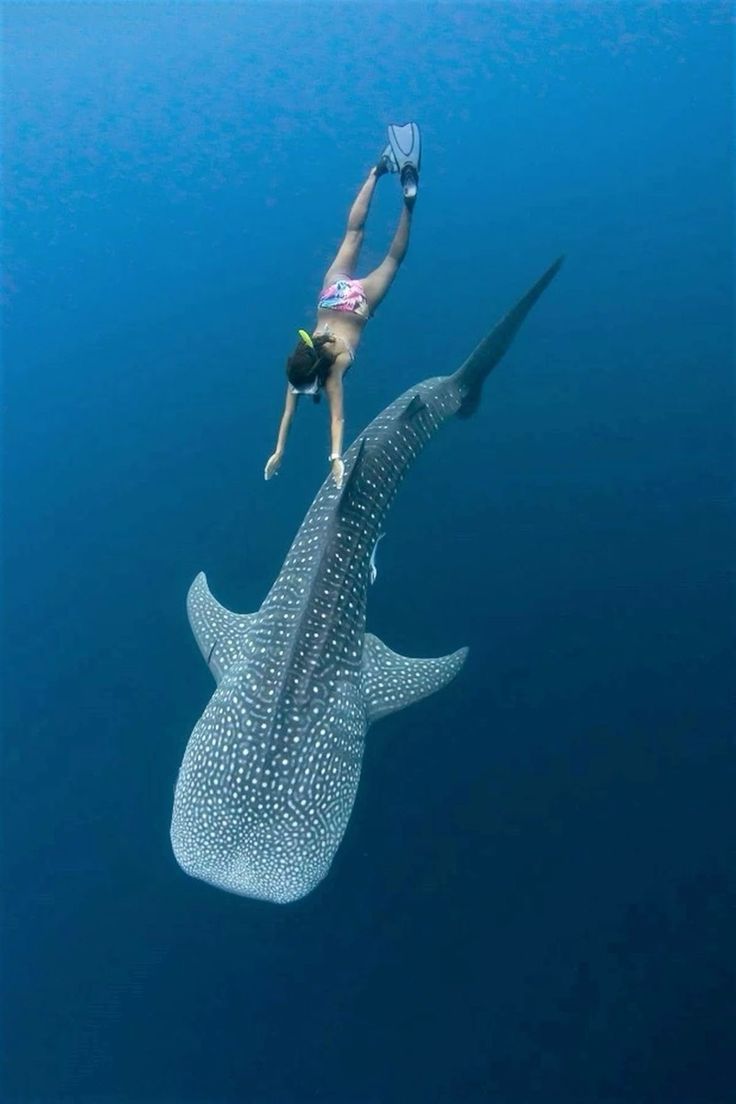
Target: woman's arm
point(274, 461)
point(333, 390)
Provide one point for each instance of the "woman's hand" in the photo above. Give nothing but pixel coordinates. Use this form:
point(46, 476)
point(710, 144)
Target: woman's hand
point(273, 465)
point(338, 471)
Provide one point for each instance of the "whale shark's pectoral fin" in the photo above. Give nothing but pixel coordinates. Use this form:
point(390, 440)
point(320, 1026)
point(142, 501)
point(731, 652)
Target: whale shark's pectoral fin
point(391, 681)
point(219, 633)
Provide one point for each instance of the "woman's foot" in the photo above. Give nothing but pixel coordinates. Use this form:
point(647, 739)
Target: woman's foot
point(386, 163)
point(410, 183)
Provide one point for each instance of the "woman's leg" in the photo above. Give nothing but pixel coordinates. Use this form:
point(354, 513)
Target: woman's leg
point(347, 255)
point(379, 281)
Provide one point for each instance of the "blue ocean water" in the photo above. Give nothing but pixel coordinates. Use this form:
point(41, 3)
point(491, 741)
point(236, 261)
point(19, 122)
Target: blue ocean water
point(532, 901)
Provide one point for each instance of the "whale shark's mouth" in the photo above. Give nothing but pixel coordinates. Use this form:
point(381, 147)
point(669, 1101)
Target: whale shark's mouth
point(268, 871)
point(279, 888)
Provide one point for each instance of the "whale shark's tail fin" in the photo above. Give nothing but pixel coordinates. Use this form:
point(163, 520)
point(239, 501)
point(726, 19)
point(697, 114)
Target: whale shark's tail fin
point(485, 357)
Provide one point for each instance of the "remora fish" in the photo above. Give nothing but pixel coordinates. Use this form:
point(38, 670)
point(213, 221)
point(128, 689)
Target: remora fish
point(270, 773)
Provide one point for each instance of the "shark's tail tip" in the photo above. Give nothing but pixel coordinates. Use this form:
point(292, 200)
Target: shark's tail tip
point(471, 375)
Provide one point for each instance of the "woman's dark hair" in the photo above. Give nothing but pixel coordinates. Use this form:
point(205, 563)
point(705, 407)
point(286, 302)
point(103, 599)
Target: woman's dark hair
point(305, 365)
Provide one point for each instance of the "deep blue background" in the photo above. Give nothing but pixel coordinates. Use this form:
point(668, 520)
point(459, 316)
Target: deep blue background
point(532, 900)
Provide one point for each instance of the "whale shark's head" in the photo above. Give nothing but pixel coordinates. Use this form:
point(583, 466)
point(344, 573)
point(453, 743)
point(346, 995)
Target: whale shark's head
point(266, 788)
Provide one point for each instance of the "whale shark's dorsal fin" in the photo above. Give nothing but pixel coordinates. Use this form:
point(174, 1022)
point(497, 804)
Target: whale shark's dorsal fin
point(391, 681)
point(415, 406)
point(219, 633)
point(348, 491)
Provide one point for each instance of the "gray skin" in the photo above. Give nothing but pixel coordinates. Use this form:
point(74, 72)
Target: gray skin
point(270, 773)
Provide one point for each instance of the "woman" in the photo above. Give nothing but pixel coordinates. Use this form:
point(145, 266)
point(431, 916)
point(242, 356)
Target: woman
point(321, 359)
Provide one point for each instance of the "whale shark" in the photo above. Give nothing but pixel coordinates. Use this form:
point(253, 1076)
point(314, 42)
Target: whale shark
point(270, 773)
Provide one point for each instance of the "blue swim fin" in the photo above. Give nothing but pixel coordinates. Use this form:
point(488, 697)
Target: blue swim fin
point(406, 145)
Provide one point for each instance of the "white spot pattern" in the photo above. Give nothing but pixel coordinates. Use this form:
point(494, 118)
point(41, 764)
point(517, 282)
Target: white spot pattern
point(270, 773)
point(391, 682)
